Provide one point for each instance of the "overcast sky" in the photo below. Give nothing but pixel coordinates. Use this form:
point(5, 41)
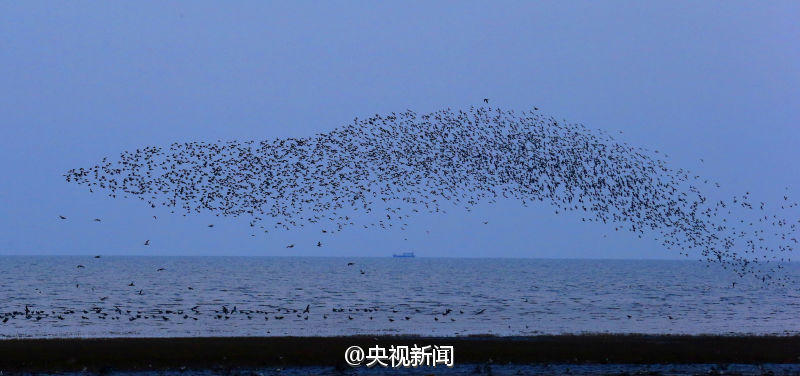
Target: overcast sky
point(80, 81)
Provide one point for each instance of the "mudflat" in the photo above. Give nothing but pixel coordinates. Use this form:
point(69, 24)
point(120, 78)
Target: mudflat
point(73, 354)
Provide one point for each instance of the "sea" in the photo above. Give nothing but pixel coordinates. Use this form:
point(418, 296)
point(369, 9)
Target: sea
point(130, 296)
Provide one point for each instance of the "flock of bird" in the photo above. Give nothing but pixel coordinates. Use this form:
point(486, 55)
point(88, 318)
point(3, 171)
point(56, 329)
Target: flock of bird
point(101, 310)
point(223, 312)
point(380, 171)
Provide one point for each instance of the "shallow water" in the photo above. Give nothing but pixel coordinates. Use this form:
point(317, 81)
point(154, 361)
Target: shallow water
point(515, 296)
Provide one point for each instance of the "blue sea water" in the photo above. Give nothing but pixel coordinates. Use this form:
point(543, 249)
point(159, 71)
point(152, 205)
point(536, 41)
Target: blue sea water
point(425, 296)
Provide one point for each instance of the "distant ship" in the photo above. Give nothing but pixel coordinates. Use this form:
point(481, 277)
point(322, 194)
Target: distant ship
point(404, 254)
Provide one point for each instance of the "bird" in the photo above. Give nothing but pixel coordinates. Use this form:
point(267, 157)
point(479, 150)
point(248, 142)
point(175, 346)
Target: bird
point(365, 165)
point(147, 242)
point(80, 266)
point(485, 100)
point(62, 217)
point(350, 263)
point(290, 246)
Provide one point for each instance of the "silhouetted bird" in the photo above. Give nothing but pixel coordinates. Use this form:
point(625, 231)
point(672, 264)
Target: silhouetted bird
point(465, 158)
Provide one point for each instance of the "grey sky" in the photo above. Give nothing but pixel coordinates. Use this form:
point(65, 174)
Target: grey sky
point(85, 80)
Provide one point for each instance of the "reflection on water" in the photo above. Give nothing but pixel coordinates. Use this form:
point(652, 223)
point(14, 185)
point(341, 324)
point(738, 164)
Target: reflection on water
point(196, 296)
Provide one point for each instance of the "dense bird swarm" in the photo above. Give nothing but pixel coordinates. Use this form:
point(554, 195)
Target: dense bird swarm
point(396, 165)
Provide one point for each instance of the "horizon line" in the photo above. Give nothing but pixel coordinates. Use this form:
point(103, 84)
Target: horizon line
point(345, 256)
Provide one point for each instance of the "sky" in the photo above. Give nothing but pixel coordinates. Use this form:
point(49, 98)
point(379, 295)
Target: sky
point(84, 80)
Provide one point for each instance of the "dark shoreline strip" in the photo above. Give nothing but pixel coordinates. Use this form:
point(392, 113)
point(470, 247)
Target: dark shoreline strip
point(212, 352)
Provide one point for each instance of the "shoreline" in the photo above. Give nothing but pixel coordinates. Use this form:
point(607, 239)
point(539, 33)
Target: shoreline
point(75, 354)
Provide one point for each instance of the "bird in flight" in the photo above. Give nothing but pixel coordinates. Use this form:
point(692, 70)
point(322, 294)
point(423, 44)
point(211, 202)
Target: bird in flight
point(147, 242)
point(293, 182)
point(485, 100)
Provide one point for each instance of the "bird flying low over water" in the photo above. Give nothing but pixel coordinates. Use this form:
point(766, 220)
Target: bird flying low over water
point(453, 157)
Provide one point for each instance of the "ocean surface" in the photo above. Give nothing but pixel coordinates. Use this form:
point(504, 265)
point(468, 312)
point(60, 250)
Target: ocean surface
point(50, 296)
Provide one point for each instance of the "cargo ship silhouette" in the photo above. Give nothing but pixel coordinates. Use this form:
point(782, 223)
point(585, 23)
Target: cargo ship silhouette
point(404, 254)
